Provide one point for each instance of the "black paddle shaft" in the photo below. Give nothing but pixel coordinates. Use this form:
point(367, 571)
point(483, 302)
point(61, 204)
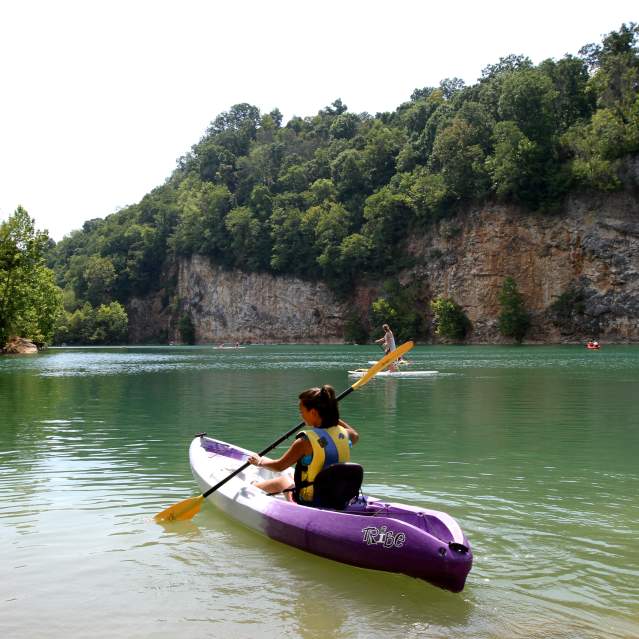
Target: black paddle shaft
point(268, 449)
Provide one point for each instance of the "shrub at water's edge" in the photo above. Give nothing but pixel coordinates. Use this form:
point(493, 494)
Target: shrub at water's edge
point(187, 329)
point(451, 322)
point(514, 321)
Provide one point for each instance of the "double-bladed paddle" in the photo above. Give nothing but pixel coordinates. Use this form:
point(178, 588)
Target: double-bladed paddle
point(188, 508)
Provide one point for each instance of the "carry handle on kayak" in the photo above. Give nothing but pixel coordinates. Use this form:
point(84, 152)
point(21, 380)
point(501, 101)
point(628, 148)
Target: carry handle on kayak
point(188, 508)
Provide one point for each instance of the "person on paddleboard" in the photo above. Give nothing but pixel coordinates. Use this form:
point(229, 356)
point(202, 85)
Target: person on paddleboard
point(388, 344)
point(328, 441)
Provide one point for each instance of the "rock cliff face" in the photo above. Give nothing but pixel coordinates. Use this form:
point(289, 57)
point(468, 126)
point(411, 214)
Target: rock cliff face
point(230, 306)
point(592, 249)
point(589, 254)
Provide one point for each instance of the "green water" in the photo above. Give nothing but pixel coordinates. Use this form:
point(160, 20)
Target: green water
point(534, 450)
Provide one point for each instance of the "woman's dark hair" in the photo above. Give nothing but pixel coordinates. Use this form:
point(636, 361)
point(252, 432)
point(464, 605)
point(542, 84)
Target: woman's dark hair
point(323, 400)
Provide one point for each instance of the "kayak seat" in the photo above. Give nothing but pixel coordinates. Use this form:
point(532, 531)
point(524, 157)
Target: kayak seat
point(337, 485)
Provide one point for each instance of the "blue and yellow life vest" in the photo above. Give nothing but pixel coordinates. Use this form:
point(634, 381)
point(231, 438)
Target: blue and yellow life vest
point(330, 446)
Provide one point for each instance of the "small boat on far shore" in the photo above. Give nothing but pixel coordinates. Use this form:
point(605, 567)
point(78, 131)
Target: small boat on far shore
point(593, 345)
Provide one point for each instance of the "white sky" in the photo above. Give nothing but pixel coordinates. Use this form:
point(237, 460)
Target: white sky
point(99, 99)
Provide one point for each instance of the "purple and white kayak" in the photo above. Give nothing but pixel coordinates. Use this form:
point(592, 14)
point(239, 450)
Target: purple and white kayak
point(369, 533)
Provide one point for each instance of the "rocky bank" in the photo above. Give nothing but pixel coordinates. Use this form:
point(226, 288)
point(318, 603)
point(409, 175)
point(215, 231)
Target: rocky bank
point(19, 346)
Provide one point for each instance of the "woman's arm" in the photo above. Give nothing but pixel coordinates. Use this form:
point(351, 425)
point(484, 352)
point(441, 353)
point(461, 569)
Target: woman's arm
point(352, 433)
point(298, 449)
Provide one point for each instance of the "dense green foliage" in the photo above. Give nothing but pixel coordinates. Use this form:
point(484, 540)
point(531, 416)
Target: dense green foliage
point(334, 196)
point(30, 301)
point(105, 324)
point(514, 320)
point(450, 320)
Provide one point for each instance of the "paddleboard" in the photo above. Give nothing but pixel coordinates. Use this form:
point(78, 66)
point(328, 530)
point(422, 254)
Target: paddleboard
point(362, 372)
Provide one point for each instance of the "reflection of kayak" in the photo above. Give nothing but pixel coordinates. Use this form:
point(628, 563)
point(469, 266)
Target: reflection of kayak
point(369, 533)
point(361, 372)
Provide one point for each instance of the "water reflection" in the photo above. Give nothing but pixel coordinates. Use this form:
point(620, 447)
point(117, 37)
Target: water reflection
point(303, 587)
point(390, 394)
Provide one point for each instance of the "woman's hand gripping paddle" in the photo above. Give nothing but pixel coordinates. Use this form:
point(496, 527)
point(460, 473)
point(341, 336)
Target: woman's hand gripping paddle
point(190, 507)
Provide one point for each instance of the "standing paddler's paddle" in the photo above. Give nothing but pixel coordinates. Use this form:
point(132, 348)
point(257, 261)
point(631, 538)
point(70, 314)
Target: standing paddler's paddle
point(190, 507)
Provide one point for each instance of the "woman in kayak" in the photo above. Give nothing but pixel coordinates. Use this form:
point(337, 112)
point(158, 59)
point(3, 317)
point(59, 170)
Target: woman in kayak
point(327, 442)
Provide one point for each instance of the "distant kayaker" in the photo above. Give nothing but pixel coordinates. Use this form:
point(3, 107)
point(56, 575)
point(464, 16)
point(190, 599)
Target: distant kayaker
point(388, 343)
point(327, 442)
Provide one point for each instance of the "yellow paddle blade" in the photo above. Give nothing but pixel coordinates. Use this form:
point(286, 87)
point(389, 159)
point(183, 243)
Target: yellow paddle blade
point(382, 364)
point(183, 510)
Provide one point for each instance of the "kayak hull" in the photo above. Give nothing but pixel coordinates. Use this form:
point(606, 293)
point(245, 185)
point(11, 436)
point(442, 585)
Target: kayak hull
point(370, 533)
